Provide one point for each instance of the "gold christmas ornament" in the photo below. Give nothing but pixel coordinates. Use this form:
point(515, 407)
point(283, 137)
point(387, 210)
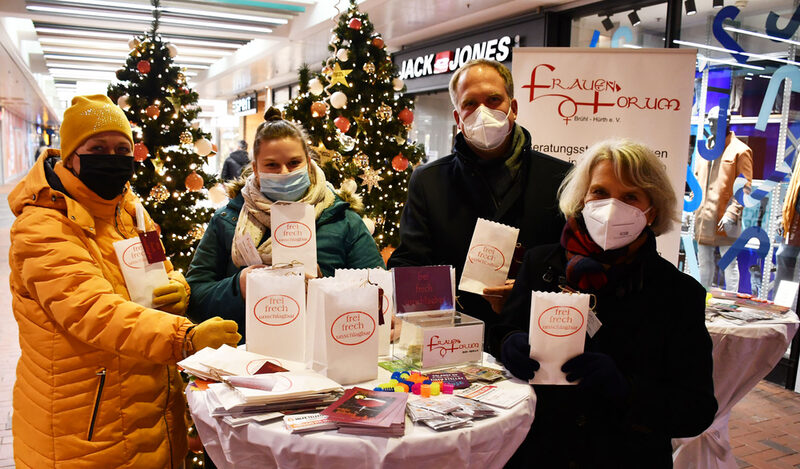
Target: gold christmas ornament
point(196, 232)
point(181, 77)
point(370, 178)
point(369, 67)
point(384, 112)
point(159, 193)
point(339, 76)
point(186, 137)
point(361, 159)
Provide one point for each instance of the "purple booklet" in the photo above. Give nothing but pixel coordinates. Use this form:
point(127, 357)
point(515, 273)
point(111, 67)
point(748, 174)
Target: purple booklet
point(427, 288)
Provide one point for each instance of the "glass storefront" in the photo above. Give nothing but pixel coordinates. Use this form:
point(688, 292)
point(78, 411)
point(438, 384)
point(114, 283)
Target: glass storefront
point(741, 50)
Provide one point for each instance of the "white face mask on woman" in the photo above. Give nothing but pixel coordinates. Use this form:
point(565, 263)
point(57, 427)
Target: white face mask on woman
point(486, 128)
point(612, 223)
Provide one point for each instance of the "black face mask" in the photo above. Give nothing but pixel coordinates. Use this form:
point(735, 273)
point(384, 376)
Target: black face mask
point(106, 175)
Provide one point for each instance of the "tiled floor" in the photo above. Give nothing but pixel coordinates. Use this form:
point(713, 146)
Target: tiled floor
point(764, 426)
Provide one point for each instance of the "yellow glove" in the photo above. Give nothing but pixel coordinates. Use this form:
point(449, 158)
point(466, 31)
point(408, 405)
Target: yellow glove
point(213, 333)
point(171, 298)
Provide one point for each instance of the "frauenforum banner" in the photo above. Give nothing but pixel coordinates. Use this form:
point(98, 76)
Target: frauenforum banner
point(570, 98)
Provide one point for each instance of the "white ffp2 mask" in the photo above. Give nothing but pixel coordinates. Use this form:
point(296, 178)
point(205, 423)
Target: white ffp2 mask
point(486, 128)
point(612, 223)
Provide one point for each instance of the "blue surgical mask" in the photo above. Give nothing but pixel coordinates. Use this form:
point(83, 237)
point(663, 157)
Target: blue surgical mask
point(289, 187)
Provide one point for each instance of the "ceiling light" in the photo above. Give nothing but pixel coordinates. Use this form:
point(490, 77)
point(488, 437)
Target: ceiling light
point(100, 68)
point(82, 12)
point(634, 17)
point(719, 3)
point(229, 16)
point(691, 9)
point(106, 3)
point(73, 58)
point(211, 24)
point(607, 23)
point(109, 36)
point(60, 41)
point(79, 12)
point(72, 50)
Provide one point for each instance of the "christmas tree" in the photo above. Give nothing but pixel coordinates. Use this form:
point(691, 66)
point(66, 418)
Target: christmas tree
point(170, 148)
point(358, 121)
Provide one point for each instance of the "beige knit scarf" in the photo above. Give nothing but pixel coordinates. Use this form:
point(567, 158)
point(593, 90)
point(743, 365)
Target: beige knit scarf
point(254, 218)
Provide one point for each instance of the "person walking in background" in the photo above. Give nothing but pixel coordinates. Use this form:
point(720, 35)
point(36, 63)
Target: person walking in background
point(238, 159)
point(96, 381)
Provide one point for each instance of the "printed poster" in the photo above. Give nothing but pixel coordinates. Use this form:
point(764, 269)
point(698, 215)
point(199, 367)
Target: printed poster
point(572, 97)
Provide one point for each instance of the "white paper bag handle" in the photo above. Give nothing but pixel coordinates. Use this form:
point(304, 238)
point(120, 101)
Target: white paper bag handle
point(140, 217)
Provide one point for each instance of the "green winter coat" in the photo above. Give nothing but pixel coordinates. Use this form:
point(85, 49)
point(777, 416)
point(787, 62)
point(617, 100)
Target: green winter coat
point(343, 242)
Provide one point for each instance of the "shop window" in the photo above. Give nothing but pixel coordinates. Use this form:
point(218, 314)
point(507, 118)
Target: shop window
point(737, 62)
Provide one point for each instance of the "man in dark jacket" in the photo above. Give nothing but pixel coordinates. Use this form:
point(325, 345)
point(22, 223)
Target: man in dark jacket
point(492, 173)
point(237, 160)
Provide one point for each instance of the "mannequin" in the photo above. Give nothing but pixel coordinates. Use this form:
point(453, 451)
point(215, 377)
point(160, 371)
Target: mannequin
point(718, 220)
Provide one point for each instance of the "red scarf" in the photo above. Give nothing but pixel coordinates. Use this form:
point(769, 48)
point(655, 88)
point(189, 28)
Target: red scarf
point(589, 267)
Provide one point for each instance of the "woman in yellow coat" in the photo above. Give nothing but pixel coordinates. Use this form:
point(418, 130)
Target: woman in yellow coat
point(96, 382)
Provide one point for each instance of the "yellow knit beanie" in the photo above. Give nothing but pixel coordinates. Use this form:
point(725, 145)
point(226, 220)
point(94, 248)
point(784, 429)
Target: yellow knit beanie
point(90, 115)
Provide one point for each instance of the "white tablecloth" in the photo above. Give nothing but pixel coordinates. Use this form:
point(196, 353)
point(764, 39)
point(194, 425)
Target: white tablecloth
point(743, 356)
point(487, 444)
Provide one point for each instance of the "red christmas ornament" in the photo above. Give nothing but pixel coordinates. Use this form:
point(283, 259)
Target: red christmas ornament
point(406, 116)
point(193, 182)
point(400, 162)
point(143, 66)
point(152, 111)
point(354, 23)
point(378, 42)
point(342, 123)
point(213, 148)
point(140, 152)
point(318, 109)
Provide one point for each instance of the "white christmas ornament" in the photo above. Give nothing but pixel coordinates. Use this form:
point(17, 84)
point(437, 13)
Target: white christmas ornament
point(133, 43)
point(315, 86)
point(203, 146)
point(338, 100)
point(343, 55)
point(122, 102)
point(370, 224)
point(397, 84)
point(195, 124)
point(173, 51)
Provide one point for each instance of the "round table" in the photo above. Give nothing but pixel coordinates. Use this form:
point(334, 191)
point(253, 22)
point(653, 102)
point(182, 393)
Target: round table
point(743, 355)
point(489, 443)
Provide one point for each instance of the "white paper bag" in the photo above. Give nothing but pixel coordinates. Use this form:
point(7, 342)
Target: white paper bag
point(315, 318)
point(275, 311)
point(140, 277)
point(383, 279)
point(489, 257)
point(557, 332)
point(349, 353)
point(294, 235)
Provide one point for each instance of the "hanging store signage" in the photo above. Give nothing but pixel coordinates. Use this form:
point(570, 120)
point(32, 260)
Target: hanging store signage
point(571, 98)
point(429, 66)
point(245, 105)
point(446, 61)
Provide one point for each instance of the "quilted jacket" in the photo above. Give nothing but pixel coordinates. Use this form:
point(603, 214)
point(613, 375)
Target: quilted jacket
point(96, 382)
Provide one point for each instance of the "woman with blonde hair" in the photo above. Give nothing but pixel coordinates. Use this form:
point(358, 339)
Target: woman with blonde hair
point(282, 170)
point(646, 374)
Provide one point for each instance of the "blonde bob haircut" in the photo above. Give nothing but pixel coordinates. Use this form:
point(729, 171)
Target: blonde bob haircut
point(635, 165)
